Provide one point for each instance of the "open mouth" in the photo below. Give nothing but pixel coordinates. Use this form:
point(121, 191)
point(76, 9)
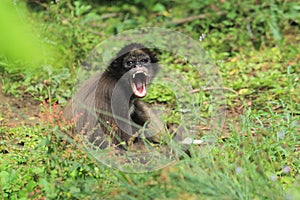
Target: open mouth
point(139, 83)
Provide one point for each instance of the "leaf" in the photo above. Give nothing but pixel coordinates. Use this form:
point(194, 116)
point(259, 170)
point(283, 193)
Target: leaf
point(275, 30)
point(17, 40)
point(4, 179)
point(158, 8)
point(243, 91)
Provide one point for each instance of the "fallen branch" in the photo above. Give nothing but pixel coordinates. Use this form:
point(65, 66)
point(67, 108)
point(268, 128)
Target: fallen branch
point(39, 3)
point(109, 15)
point(215, 88)
point(95, 33)
point(191, 18)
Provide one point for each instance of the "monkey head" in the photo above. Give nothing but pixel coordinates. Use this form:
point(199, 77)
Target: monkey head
point(138, 63)
point(137, 66)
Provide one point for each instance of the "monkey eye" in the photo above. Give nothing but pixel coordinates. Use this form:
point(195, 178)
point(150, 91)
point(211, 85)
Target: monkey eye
point(144, 60)
point(130, 63)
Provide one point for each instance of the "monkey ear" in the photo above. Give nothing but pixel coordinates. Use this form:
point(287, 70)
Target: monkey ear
point(153, 54)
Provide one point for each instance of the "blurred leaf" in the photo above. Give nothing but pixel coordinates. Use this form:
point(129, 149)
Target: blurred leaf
point(17, 41)
point(158, 8)
point(243, 91)
point(275, 30)
point(80, 9)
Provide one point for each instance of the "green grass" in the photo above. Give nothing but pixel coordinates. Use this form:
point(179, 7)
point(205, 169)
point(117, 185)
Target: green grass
point(258, 156)
point(259, 161)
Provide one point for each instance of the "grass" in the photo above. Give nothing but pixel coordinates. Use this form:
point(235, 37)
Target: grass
point(260, 161)
point(258, 154)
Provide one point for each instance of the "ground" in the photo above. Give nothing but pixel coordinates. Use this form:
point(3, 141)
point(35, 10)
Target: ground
point(18, 111)
point(25, 111)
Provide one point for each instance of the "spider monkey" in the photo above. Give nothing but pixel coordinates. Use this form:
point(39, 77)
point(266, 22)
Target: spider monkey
point(108, 105)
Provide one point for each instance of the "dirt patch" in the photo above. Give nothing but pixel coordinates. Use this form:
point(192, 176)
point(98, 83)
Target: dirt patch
point(25, 111)
point(18, 111)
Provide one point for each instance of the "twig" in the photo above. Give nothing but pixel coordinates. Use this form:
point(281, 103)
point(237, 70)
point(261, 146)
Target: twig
point(109, 15)
point(204, 128)
point(191, 18)
point(39, 3)
point(95, 32)
point(215, 88)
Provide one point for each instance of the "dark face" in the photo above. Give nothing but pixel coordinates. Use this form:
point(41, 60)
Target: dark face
point(138, 64)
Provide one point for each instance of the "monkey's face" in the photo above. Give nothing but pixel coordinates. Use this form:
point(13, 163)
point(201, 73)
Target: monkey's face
point(138, 64)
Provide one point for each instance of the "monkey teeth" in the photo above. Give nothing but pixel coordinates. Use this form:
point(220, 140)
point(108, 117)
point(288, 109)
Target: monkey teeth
point(139, 72)
point(139, 83)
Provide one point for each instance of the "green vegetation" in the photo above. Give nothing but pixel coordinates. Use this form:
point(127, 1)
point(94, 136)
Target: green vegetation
point(256, 46)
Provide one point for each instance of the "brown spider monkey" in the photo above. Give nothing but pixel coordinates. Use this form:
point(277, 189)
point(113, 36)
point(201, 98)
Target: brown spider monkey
point(107, 106)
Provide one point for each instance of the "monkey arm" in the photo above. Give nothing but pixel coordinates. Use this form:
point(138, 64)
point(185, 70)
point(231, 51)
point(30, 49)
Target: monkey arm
point(142, 114)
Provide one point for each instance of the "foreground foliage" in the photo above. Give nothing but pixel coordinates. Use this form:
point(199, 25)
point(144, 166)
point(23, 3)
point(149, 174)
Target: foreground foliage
point(261, 161)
